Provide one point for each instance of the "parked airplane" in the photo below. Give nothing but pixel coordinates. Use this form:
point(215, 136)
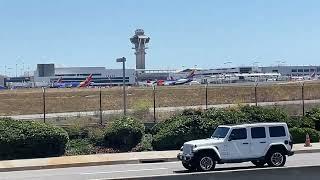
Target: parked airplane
point(60, 84)
point(312, 77)
point(188, 79)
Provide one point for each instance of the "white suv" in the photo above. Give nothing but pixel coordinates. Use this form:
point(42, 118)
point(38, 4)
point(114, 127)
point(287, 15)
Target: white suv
point(259, 143)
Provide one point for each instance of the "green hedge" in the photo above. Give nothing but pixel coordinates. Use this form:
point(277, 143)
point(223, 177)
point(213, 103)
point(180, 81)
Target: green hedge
point(264, 114)
point(124, 133)
point(299, 134)
point(198, 124)
point(26, 139)
point(77, 132)
point(300, 122)
point(314, 115)
point(172, 133)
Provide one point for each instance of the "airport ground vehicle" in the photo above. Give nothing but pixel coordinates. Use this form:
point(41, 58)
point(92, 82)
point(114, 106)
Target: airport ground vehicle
point(260, 143)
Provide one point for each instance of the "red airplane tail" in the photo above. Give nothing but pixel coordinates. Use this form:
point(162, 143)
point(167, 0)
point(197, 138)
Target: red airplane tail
point(59, 80)
point(192, 73)
point(86, 82)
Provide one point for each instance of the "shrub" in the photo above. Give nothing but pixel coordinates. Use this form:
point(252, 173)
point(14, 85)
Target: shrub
point(197, 124)
point(314, 115)
point(300, 122)
point(77, 132)
point(124, 133)
point(27, 139)
point(175, 133)
point(225, 116)
point(79, 147)
point(96, 135)
point(264, 114)
point(145, 144)
point(190, 112)
point(299, 134)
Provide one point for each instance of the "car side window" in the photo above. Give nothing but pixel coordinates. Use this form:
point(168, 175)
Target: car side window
point(258, 132)
point(277, 131)
point(238, 134)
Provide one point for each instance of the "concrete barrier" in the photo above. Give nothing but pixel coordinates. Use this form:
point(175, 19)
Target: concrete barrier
point(285, 173)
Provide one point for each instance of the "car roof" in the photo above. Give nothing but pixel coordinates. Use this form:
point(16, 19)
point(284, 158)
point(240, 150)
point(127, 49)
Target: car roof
point(256, 124)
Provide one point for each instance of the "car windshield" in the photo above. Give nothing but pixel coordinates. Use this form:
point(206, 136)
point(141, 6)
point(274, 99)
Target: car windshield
point(220, 132)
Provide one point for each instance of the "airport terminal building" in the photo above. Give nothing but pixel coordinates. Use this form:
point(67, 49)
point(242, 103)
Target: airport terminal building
point(48, 74)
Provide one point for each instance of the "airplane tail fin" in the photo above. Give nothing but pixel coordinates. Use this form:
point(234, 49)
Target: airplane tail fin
point(313, 75)
point(192, 73)
point(86, 82)
point(59, 80)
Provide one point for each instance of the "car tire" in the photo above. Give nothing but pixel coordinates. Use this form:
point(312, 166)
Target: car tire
point(259, 163)
point(276, 158)
point(205, 162)
point(188, 166)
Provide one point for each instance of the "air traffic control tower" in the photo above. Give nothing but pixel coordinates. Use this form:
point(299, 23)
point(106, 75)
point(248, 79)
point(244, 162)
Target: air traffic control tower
point(140, 41)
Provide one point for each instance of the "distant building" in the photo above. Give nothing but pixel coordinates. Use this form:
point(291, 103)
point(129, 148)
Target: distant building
point(292, 70)
point(46, 74)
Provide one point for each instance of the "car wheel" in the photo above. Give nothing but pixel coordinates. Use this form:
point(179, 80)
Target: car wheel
point(259, 163)
point(276, 158)
point(205, 163)
point(188, 166)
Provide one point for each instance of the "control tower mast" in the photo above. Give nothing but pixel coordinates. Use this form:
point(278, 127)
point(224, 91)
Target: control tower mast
point(140, 41)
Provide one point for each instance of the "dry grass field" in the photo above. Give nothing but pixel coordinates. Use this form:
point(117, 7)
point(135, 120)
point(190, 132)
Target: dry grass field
point(29, 101)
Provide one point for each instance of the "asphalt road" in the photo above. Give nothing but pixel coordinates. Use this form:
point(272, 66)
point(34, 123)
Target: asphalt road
point(137, 170)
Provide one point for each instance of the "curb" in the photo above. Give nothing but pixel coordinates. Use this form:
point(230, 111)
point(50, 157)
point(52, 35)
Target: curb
point(304, 151)
point(138, 161)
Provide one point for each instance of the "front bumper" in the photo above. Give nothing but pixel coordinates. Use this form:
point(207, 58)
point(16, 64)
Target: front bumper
point(185, 157)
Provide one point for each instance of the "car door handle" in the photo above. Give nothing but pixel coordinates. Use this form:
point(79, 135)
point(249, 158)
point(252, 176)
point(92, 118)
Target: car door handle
point(263, 142)
point(245, 143)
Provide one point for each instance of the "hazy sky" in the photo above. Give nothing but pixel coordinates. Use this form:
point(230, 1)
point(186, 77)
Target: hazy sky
point(205, 33)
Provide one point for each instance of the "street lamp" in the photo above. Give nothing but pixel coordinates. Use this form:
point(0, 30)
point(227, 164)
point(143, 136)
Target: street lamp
point(123, 60)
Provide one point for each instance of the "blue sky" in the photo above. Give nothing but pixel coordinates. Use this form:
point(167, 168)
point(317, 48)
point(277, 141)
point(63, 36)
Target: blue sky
point(205, 33)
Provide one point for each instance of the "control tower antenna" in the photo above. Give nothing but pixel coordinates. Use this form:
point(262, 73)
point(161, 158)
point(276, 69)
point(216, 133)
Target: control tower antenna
point(140, 41)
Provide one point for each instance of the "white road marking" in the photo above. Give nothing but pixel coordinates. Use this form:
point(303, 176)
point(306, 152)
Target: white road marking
point(133, 170)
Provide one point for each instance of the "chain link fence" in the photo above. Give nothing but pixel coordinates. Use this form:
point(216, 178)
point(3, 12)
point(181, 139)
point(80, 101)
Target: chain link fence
point(150, 104)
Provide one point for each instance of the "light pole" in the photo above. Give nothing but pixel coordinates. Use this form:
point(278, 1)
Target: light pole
point(256, 94)
point(123, 60)
point(44, 103)
point(302, 98)
point(16, 70)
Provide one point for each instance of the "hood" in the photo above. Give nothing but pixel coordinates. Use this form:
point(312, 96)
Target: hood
point(203, 142)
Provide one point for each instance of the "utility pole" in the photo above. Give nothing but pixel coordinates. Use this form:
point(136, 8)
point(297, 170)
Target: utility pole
point(302, 97)
point(256, 94)
point(154, 103)
point(44, 103)
point(206, 95)
point(100, 105)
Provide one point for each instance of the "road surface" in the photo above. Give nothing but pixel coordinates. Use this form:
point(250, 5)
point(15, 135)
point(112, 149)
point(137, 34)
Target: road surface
point(137, 170)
